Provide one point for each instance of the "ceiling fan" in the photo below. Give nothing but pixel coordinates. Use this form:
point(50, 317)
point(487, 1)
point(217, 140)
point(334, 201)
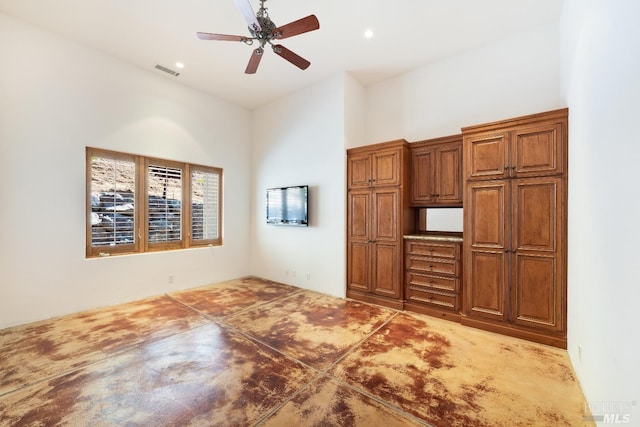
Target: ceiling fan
point(264, 31)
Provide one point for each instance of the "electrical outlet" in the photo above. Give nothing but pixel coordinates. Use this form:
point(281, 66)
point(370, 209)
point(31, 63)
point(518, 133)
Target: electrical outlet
point(308, 276)
point(580, 353)
point(170, 279)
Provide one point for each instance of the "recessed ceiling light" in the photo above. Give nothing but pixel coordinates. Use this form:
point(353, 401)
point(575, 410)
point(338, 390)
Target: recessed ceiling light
point(179, 65)
point(368, 33)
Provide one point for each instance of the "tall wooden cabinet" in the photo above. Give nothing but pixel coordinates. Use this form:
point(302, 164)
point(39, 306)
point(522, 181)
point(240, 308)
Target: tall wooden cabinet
point(515, 227)
point(378, 215)
point(436, 172)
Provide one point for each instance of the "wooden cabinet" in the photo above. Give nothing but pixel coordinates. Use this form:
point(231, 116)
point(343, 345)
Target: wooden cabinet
point(523, 149)
point(432, 275)
point(436, 172)
point(380, 168)
point(515, 227)
point(378, 215)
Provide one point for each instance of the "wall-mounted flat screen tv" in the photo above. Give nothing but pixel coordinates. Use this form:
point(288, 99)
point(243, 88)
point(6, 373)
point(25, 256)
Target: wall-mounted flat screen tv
point(288, 205)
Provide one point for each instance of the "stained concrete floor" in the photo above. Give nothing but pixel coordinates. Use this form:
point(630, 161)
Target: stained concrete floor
point(252, 352)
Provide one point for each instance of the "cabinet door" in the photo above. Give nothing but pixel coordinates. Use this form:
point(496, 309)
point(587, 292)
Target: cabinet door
point(385, 220)
point(386, 168)
point(537, 150)
point(448, 178)
point(359, 266)
point(359, 232)
point(386, 265)
point(486, 258)
point(359, 211)
point(486, 156)
point(537, 278)
point(386, 257)
point(422, 175)
point(359, 171)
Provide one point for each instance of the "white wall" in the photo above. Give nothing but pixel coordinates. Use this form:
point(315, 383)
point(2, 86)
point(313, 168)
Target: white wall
point(513, 77)
point(58, 97)
point(602, 80)
point(299, 140)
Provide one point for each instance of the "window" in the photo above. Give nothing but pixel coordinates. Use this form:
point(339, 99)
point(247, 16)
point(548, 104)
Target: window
point(205, 202)
point(138, 204)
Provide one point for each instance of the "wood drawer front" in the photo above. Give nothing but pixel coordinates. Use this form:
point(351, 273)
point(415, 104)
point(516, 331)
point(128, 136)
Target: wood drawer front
point(450, 284)
point(422, 295)
point(433, 265)
point(434, 250)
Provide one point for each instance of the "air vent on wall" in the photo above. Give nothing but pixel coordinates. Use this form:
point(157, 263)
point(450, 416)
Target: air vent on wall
point(166, 70)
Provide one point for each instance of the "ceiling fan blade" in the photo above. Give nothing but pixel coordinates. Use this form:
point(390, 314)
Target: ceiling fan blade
point(223, 37)
point(296, 60)
point(248, 14)
point(300, 26)
point(254, 61)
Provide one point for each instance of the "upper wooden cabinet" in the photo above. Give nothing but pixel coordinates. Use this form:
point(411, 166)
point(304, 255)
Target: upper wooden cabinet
point(375, 169)
point(518, 148)
point(436, 172)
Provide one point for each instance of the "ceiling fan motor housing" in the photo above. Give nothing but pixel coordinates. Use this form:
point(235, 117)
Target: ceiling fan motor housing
point(267, 29)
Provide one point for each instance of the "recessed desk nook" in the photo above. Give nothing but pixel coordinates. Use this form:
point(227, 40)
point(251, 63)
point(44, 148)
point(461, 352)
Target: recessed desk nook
point(433, 264)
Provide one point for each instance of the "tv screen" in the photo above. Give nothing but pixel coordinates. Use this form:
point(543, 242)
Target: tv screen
point(288, 205)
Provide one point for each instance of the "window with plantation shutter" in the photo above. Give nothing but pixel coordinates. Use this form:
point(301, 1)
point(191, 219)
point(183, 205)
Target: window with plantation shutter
point(164, 204)
point(205, 206)
point(112, 197)
point(137, 204)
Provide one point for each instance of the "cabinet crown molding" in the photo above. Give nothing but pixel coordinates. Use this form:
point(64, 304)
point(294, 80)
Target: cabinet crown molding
point(560, 114)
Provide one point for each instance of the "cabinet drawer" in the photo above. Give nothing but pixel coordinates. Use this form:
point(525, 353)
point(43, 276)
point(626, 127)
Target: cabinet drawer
point(434, 250)
point(422, 295)
point(451, 284)
point(433, 265)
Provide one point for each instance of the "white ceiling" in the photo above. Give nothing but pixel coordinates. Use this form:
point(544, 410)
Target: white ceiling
point(408, 34)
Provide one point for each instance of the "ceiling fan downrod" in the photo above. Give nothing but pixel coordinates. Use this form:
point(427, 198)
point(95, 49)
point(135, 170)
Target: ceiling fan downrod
point(267, 32)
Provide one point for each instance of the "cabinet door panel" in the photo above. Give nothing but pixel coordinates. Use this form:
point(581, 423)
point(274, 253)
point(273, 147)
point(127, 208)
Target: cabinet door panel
point(486, 156)
point(359, 171)
point(385, 215)
point(449, 175)
point(538, 150)
point(536, 294)
point(385, 268)
point(422, 167)
point(536, 213)
point(485, 285)
point(486, 239)
point(386, 168)
point(537, 278)
point(359, 214)
point(486, 214)
point(359, 266)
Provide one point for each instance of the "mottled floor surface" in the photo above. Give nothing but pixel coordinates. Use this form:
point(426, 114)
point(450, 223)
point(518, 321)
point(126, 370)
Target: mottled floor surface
point(253, 352)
